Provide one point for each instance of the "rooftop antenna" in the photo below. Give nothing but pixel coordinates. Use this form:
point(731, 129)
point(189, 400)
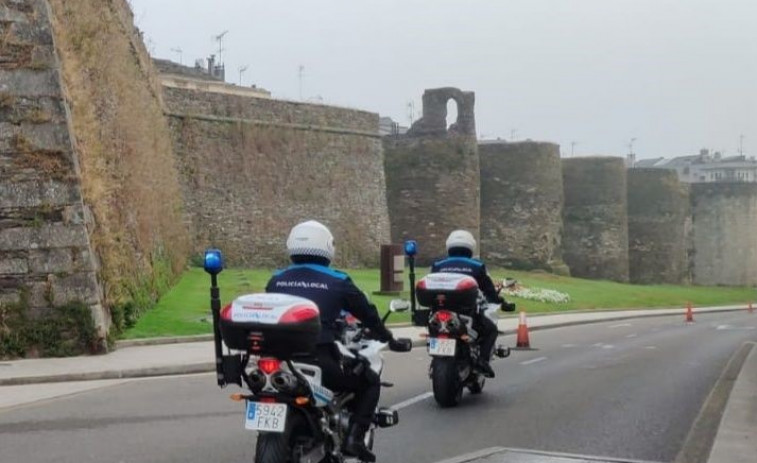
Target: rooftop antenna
point(573, 147)
point(513, 134)
point(242, 69)
point(630, 146)
point(411, 111)
point(180, 52)
point(741, 145)
point(219, 38)
point(300, 72)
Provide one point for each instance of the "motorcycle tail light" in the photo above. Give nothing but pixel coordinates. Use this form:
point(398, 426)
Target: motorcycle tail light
point(269, 365)
point(444, 316)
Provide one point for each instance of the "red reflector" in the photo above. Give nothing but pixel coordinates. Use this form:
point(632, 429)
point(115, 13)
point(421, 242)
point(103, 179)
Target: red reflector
point(267, 400)
point(226, 313)
point(421, 284)
point(299, 313)
point(444, 316)
point(269, 365)
point(466, 283)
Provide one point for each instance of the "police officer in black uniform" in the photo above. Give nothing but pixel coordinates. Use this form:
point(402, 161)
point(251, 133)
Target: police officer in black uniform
point(460, 248)
point(311, 249)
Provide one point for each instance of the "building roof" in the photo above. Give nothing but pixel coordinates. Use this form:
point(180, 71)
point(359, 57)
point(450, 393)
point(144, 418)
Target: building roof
point(648, 162)
point(165, 66)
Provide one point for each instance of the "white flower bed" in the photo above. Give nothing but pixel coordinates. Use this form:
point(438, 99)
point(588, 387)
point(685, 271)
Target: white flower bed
point(537, 294)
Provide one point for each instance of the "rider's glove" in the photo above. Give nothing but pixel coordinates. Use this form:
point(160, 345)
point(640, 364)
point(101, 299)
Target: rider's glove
point(382, 333)
point(508, 306)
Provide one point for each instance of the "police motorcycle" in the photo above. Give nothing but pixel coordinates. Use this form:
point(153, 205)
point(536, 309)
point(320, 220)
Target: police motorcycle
point(453, 342)
point(452, 300)
point(270, 338)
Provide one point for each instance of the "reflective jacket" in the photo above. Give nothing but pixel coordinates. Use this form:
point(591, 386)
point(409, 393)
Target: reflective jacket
point(332, 291)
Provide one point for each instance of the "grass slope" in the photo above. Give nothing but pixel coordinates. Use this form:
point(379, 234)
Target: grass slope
point(184, 310)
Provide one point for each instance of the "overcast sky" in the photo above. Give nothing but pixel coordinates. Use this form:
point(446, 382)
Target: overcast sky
point(677, 75)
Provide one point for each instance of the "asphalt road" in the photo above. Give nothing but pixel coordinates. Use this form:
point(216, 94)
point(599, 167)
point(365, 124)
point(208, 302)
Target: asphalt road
point(628, 389)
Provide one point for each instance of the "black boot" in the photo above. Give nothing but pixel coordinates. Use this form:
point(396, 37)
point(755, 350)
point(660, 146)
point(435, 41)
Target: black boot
point(355, 443)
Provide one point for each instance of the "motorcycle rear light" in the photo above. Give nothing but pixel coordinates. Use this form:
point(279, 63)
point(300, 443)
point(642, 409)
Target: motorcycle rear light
point(444, 316)
point(269, 365)
point(299, 314)
point(226, 313)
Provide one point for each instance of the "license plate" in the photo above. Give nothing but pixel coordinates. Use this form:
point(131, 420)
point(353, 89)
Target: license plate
point(265, 417)
point(443, 347)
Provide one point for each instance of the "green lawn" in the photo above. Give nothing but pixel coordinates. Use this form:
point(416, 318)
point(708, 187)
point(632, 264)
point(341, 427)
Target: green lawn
point(184, 310)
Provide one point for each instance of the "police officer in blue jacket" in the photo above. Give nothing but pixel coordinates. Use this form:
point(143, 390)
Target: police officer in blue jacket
point(460, 248)
point(311, 250)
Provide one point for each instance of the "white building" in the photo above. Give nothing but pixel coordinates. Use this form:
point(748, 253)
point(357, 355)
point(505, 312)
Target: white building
point(706, 167)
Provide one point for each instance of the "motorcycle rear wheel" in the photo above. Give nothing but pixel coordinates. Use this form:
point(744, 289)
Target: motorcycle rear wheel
point(445, 379)
point(274, 447)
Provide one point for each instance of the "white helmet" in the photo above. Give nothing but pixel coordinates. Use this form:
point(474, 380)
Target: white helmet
point(461, 239)
point(311, 238)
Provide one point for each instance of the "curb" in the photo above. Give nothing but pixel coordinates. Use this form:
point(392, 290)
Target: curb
point(206, 367)
point(172, 370)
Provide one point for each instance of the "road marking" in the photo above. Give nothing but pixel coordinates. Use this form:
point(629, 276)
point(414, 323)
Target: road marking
point(650, 347)
point(412, 400)
point(608, 346)
point(569, 345)
point(599, 344)
point(734, 328)
point(619, 325)
point(632, 335)
point(536, 360)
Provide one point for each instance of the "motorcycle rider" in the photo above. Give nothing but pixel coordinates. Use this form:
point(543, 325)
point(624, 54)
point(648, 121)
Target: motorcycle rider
point(311, 249)
point(460, 248)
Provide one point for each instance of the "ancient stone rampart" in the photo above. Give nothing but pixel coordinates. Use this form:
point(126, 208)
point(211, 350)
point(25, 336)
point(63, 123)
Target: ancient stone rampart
point(432, 175)
point(253, 167)
point(521, 205)
point(658, 208)
point(724, 219)
point(595, 220)
point(89, 200)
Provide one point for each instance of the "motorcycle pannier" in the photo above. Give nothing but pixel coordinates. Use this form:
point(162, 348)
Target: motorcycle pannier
point(273, 324)
point(450, 291)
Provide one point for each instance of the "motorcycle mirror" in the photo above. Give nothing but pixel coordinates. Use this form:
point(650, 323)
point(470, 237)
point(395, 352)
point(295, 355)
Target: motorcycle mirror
point(398, 305)
point(411, 248)
point(213, 262)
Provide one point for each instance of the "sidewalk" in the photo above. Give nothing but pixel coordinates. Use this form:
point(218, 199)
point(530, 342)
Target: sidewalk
point(197, 357)
point(736, 440)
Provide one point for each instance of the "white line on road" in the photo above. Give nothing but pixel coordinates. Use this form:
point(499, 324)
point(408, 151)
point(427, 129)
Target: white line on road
point(412, 400)
point(650, 347)
point(568, 345)
point(537, 359)
point(608, 346)
point(620, 325)
point(632, 335)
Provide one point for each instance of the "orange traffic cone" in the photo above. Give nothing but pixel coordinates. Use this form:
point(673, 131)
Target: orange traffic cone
point(689, 313)
point(522, 340)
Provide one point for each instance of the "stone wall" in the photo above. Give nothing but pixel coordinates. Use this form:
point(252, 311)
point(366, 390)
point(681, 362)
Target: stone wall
point(658, 208)
point(45, 257)
point(433, 175)
point(595, 220)
point(253, 167)
point(90, 209)
point(724, 219)
point(521, 205)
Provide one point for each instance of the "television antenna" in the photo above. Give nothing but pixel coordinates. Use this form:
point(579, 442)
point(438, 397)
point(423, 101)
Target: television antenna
point(180, 52)
point(573, 147)
point(242, 69)
point(300, 72)
point(219, 38)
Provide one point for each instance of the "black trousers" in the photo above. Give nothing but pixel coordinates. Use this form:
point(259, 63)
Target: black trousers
point(366, 386)
point(488, 332)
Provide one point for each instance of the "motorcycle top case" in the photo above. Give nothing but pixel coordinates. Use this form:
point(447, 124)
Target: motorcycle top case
point(450, 291)
point(273, 324)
